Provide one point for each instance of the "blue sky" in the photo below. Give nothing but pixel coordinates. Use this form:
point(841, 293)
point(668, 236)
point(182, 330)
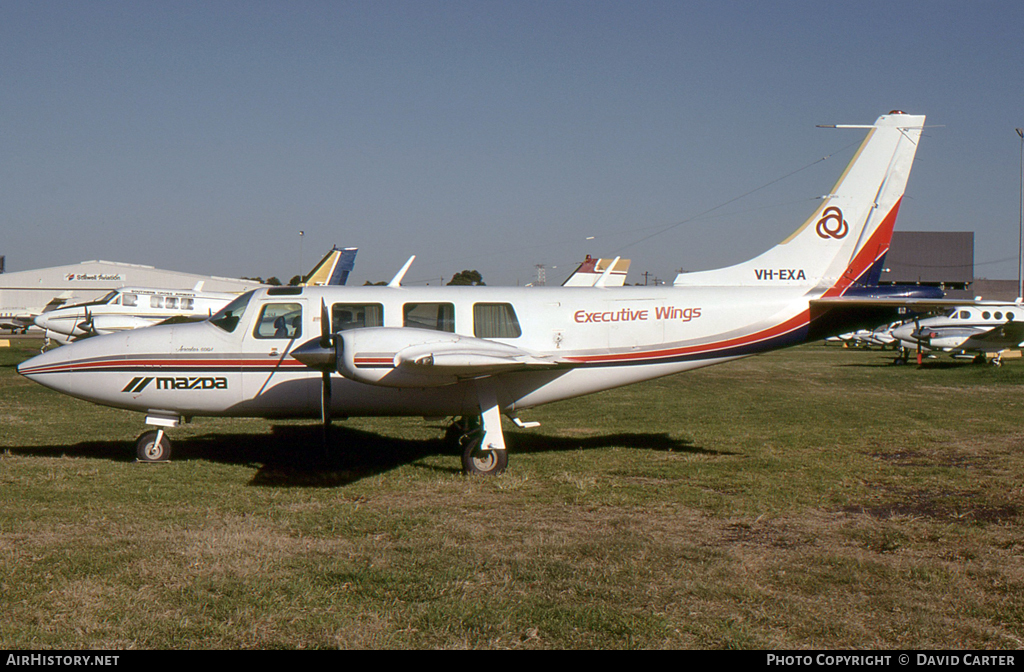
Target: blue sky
point(203, 136)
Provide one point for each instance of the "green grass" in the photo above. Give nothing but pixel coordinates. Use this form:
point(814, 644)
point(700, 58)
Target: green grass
point(815, 497)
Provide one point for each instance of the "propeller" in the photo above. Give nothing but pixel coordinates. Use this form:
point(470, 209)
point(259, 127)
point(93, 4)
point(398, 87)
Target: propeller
point(326, 342)
point(86, 324)
point(321, 354)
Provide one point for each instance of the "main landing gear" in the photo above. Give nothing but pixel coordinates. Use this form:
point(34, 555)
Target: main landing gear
point(466, 436)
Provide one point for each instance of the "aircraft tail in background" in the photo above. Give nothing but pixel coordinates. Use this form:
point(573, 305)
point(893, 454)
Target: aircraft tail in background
point(333, 269)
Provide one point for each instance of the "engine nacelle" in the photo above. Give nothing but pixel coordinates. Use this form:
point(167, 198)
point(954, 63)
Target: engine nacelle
point(408, 357)
point(109, 324)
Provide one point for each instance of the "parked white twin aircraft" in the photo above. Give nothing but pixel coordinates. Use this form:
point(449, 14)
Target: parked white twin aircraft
point(477, 353)
point(133, 307)
point(980, 328)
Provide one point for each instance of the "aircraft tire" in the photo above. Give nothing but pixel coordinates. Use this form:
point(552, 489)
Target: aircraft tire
point(477, 462)
point(148, 450)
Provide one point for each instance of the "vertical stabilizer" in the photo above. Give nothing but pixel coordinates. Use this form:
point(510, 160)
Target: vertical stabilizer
point(846, 238)
point(333, 269)
point(590, 271)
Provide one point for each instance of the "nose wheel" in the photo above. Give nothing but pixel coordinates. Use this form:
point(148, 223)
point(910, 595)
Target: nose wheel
point(153, 446)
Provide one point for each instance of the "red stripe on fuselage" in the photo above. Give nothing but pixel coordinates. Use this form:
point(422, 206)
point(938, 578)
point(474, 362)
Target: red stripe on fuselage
point(870, 252)
point(147, 364)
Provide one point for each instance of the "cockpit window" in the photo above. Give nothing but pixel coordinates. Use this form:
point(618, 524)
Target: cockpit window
point(227, 317)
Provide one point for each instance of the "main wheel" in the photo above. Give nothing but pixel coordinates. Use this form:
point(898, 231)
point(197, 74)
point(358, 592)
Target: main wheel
point(148, 450)
point(477, 461)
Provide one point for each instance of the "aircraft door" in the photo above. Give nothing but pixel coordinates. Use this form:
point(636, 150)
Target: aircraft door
point(274, 381)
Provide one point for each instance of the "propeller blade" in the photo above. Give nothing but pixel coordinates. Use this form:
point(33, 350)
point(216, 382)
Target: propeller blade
point(325, 326)
point(86, 324)
point(325, 399)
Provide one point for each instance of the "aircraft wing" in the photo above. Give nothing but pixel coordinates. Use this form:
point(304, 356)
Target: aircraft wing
point(915, 304)
point(1008, 335)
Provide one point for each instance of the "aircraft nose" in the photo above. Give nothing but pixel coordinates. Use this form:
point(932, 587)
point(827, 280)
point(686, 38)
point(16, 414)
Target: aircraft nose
point(904, 332)
point(46, 362)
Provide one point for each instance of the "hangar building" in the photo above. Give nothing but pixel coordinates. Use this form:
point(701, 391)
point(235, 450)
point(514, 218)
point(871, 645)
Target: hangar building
point(935, 258)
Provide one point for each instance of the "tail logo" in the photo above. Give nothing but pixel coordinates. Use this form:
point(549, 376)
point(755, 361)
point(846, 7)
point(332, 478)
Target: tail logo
point(832, 224)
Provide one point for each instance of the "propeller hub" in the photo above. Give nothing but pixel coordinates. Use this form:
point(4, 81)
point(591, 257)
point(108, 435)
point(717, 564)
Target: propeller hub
point(315, 356)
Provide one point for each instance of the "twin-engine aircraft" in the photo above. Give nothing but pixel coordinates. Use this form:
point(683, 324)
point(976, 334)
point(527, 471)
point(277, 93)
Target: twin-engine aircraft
point(978, 329)
point(477, 353)
point(135, 307)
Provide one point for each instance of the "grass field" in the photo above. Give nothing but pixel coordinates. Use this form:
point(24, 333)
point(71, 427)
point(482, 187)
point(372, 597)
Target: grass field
point(815, 497)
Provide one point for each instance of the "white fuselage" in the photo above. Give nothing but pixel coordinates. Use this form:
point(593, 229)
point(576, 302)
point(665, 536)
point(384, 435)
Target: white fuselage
point(598, 338)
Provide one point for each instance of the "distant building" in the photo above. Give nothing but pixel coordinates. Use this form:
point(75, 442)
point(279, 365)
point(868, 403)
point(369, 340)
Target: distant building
point(934, 258)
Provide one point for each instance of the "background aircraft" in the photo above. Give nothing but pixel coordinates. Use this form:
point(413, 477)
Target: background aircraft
point(132, 307)
point(20, 319)
point(607, 272)
point(980, 328)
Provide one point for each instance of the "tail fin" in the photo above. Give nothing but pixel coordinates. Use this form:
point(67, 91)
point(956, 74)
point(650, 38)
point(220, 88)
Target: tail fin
point(845, 240)
point(590, 271)
point(334, 268)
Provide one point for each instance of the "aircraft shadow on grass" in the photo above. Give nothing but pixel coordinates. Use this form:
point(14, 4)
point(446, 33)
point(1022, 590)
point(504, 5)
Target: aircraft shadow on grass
point(294, 455)
point(927, 364)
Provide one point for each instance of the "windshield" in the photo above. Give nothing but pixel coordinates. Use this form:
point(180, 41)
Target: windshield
point(228, 316)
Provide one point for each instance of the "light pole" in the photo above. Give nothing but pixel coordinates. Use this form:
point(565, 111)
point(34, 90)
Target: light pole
point(1020, 240)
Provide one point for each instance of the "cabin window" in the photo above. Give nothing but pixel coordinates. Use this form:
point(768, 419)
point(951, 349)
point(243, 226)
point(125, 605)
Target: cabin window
point(986, 315)
point(171, 302)
point(129, 299)
point(356, 316)
point(227, 317)
point(999, 316)
point(187, 304)
point(279, 320)
point(436, 316)
point(495, 320)
point(965, 315)
point(1009, 316)
point(156, 302)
